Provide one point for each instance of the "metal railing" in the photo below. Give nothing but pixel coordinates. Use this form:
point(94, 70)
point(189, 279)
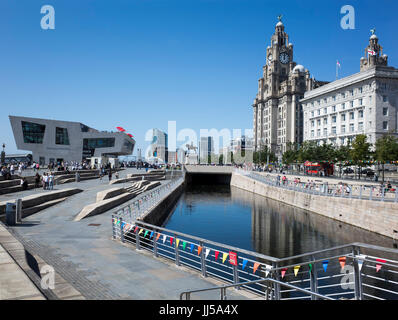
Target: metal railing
point(146, 202)
point(342, 190)
point(268, 291)
point(352, 271)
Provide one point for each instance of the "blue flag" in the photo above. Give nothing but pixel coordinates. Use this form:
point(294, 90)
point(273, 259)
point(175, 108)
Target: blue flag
point(151, 235)
point(244, 263)
point(325, 264)
point(192, 246)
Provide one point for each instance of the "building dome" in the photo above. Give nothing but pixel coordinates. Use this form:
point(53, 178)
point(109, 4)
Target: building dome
point(299, 68)
point(279, 24)
point(374, 37)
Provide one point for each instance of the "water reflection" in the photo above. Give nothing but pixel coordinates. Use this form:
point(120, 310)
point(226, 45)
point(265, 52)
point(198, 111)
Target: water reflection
point(239, 218)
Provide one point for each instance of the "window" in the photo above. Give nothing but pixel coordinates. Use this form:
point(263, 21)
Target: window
point(325, 120)
point(319, 122)
point(325, 110)
point(351, 104)
point(352, 92)
point(334, 98)
point(385, 99)
point(385, 125)
point(351, 127)
point(312, 113)
point(61, 136)
point(333, 130)
point(360, 102)
point(325, 131)
point(343, 106)
point(343, 117)
point(385, 111)
point(84, 128)
point(319, 112)
point(89, 145)
point(360, 126)
point(343, 128)
point(360, 114)
point(351, 115)
point(334, 108)
point(33, 132)
point(319, 132)
point(334, 119)
point(312, 123)
point(343, 95)
point(360, 90)
point(312, 133)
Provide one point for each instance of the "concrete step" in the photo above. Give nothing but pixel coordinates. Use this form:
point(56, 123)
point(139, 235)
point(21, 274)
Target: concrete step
point(32, 210)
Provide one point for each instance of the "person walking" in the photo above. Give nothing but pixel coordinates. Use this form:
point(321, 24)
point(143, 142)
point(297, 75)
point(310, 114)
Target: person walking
point(110, 174)
point(37, 180)
point(51, 181)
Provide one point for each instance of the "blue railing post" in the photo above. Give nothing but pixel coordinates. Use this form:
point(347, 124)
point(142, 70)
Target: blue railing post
point(113, 227)
point(236, 276)
point(155, 243)
point(137, 240)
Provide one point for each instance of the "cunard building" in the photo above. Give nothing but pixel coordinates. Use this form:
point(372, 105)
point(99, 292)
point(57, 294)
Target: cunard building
point(277, 111)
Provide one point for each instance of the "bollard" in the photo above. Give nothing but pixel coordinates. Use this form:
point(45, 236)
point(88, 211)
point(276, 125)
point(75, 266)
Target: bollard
point(18, 209)
point(77, 177)
point(10, 214)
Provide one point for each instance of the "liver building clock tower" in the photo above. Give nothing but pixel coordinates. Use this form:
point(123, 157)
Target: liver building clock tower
point(277, 113)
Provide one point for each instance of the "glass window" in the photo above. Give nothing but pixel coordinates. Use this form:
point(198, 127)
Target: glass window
point(385, 111)
point(385, 99)
point(334, 119)
point(333, 130)
point(351, 127)
point(33, 132)
point(343, 117)
point(334, 108)
point(343, 128)
point(360, 114)
point(385, 125)
point(360, 102)
point(61, 136)
point(84, 128)
point(343, 106)
point(325, 120)
point(360, 126)
point(352, 115)
point(325, 131)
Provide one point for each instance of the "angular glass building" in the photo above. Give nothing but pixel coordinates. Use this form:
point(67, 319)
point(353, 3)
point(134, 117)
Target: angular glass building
point(54, 141)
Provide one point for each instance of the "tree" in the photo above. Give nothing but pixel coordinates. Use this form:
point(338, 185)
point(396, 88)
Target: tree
point(386, 150)
point(307, 151)
point(360, 151)
point(342, 154)
point(291, 153)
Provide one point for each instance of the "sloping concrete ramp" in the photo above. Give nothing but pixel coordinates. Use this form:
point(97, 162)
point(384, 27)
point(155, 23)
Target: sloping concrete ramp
point(37, 199)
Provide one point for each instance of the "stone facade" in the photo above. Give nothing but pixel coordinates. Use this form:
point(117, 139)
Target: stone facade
point(363, 103)
point(277, 112)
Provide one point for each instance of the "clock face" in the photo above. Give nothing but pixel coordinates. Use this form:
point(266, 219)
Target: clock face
point(284, 58)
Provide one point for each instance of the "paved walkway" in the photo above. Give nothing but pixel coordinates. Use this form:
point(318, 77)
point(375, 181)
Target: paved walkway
point(84, 254)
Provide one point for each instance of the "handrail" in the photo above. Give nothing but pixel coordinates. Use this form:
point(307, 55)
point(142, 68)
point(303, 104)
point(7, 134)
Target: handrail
point(268, 280)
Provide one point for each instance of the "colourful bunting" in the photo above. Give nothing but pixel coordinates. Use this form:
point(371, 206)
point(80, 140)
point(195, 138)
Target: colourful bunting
point(267, 269)
point(171, 241)
point(244, 262)
point(224, 257)
point(151, 235)
point(177, 242)
point(146, 232)
point(135, 230)
point(199, 250)
point(361, 259)
point(184, 244)
point(207, 253)
point(192, 247)
point(164, 238)
point(378, 266)
point(283, 272)
point(141, 231)
point(216, 253)
point(255, 267)
point(296, 270)
point(325, 264)
point(157, 237)
point(310, 266)
point(342, 261)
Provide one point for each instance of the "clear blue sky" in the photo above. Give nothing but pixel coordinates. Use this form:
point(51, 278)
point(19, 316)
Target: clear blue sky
point(138, 64)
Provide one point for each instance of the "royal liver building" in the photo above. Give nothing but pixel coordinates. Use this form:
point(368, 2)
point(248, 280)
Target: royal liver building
point(277, 113)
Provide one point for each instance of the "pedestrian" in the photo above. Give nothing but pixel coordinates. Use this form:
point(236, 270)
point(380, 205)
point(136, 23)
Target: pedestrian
point(37, 180)
point(51, 181)
point(110, 174)
point(117, 175)
point(24, 184)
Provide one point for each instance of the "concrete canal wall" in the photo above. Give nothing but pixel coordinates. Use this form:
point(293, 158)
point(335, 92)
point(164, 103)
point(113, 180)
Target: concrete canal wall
point(375, 216)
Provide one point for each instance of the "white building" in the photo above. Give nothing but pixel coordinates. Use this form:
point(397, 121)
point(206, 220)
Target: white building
point(206, 149)
point(363, 103)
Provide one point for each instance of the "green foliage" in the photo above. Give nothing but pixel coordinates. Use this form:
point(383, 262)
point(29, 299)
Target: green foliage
point(386, 149)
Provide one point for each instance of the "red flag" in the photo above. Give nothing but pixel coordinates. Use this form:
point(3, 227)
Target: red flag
point(378, 266)
point(283, 271)
point(216, 254)
point(130, 135)
point(171, 241)
point(135, 230)
point(120, 129)
point(342, 261)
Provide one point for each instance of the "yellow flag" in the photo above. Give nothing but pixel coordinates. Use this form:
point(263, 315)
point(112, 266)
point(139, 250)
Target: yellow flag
point(141, 231)
point(296, 270)
point(178, 241)
point(224, 257)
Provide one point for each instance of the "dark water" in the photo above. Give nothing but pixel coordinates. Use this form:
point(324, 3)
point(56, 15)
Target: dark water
point(239, 218)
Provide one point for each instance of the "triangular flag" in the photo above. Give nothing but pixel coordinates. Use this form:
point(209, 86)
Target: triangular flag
point(361, 259)
point(310, 266)
point(325, 264)
point(177, 242)
point(157, 237)
point(184, 244)
point(244, 262)
point(171, 241)
point(255, 267)
point(342, 262)
point(164, 238)
point(123, 223)
point(135, 230)
point(267, 269)
point(140, 231)
point(199, 250)
point(207, 253)
point(378, 266)
point(224, 257)
point(296, 270)
point(192, 246)
point(216, 253)
point(283, 271)
point(146, 232)
point(151, 235)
